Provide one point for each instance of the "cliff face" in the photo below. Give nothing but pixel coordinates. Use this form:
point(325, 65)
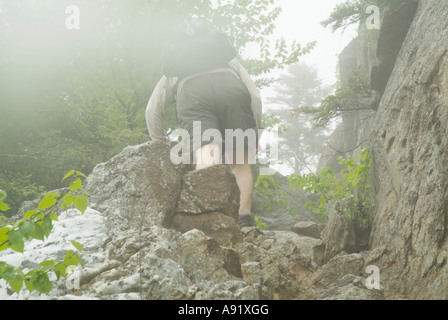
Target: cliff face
point(410, 140)
point(407, 129)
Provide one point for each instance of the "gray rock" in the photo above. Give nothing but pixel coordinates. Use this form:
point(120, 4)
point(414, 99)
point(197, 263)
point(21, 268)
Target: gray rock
point(307, 228)
point(411, 139)
point(139, 186)
point(213, 189)
point(216, 225)
point(339, 234)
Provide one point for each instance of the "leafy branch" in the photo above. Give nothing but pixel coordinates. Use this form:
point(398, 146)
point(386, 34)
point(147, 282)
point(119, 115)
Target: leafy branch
point(350, 189)
point(355, 97)
point(38, 224)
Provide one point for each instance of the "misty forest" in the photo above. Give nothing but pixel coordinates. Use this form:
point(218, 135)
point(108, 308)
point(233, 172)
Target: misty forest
point(352, 205)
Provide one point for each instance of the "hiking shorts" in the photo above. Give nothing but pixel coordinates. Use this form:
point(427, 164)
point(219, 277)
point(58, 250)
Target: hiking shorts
point(216, 101)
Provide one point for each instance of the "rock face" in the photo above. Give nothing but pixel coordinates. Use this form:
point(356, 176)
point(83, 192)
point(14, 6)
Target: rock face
point(408, 134)
point(411, 139)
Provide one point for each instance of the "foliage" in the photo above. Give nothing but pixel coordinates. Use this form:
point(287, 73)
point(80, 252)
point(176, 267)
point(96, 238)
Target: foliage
point(38, 224)
point(350, 12)
point(351, 98)
point(260, 224)
point(272, 197)
point(350, 189)
point(19, 189)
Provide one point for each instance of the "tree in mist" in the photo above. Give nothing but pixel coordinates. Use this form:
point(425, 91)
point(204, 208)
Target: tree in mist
point(303, 143)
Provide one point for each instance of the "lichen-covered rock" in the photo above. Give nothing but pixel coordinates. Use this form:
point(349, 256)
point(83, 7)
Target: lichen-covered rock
point(216, 225)
point(340, 279)
point(307, 228)
point(411, 148)
point(209, 201)
point(138, 186)
point(213, 189)
point(339, 234)
point(408, 134)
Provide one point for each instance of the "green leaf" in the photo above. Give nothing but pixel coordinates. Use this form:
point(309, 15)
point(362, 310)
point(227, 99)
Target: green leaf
point(4, 244)
point(4, 231)
point(38, 232)
point(47, 265)
point(265, 183)
point(40, 216)
point(30, 214)
point(47, 225)
point(29, 285)
point(15, 238)
point(60, 270)
point(3, 206)
point(53, 216)
point(68, 174)
point(80, 174)
point(72, 259)
point(77, 245)
point(41, 282)
point(16, 284)
point(67, 200)
point(46, 202)
point(81, 203)
point(76, 185)
point(27, 228)
point(13, 276)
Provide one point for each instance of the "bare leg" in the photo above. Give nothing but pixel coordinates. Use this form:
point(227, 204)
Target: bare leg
point(207, 156)
point(244, 179)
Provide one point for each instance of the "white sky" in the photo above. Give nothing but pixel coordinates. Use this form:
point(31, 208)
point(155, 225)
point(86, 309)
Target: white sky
point(300, 21)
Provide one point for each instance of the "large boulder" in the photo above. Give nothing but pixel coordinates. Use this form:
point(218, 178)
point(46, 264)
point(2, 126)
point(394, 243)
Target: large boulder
point(213, 189)
point(209, 201)
point(139, 186)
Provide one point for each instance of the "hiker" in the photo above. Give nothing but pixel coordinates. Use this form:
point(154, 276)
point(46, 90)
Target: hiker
point(208, 84)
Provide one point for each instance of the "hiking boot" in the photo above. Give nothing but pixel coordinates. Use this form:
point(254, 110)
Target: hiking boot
point(246, 220)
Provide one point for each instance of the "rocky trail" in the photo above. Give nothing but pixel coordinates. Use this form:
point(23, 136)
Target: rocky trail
point(154, 230)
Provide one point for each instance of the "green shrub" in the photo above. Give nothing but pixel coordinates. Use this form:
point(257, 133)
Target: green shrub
point(37, 224)
point(350, 189)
